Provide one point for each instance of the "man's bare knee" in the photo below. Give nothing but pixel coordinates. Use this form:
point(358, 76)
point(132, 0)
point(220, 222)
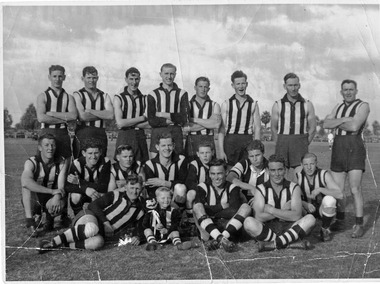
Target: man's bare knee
point(252, 226)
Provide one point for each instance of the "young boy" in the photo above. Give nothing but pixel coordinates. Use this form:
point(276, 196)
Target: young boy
point(162, 222)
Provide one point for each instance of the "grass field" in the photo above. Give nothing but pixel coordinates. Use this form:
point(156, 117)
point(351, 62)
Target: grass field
point(341, 258)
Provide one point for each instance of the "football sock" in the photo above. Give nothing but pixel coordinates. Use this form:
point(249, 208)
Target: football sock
point(176, 241)
point(289, 236)
point(208, 225)
point(359, 221)
point(326, 221)
point(266, 234)
point(233, 225)
point(77, 233)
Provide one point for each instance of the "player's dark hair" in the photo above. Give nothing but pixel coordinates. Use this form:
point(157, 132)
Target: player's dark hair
point(89, 70)
point(276, 159)
point(349, 81)
point(238, 74)
point(218, 163)
point(91, 143)
point(122, 148)
point(256, 145)
point(164, 135)
point(205, 144)
point(46, 136)
point(290, 76)
point(168, 65)
point(133, 179)
point(204, 79)
point(56, 68)
point(132, 70)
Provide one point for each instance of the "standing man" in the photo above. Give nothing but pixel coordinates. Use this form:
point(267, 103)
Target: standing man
point(250, 172)
point(204, 117)
point(293, 123)
point(167, 169)
point(278, 220)
point(43, 182)
point(130, 106)
point(240, 121)
point(319, 192)
point(94, 106)
point(348, 151)
point(55, 108)
point(168, 109)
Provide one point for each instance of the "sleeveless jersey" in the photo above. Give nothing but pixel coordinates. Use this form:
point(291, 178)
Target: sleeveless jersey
point(89, 102)
point(56, 103)
point(163, 173)
point(45, 175)
point(292, 116)
point(204, 112)
point(239, 118)
point(270, 196)
point(168, 101)
point(212, 196)
point(122, 211)
point(319, 180)
point(201, 170)
point(86, 173)
point(349, 110)
point(246, 173)
point(132, 107)
point(121, 176)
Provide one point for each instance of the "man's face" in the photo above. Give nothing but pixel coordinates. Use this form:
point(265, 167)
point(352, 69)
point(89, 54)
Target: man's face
point(133, 190)
point(276, 172)
point(168, 75)
point(240, 86)
point(349, 92)
point(217, 175)
point(292, 87)
point(201, 89)
point(47, 148)
point(133, 81)
point(309, 166)
point(56, 78)
point(164, 199)
point(90, 80)
point(92, 156)
point(256, 158)
point(125, 158)
point(205, 154)
point(165, 147)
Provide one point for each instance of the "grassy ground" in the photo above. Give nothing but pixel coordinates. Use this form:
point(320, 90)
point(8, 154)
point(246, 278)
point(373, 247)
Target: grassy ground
point(342, 258)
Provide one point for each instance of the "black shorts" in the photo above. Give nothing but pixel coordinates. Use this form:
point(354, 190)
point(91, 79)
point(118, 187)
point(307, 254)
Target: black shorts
point(348, 153)
point(63, 141)
point(86, 132)
point(176, 132)
point(192, 142)
point(292, 148)
point(278, 227)
point(137, 140)
point(234, 147)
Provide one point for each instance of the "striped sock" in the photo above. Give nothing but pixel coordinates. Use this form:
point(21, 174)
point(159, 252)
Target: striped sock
point(176, 241)
point(266, 234)
point(289, 236)
point(233, 225)
point(208, 225)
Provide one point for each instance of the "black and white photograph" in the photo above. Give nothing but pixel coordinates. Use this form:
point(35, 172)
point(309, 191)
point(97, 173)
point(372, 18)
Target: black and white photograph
point(193, 141)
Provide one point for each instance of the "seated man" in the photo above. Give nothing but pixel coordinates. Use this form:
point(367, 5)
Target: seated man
point(89, 176)
point(277, 206)
point(105, 217)
point(217, 208)
point(125, 166)
point(161, 223)
point(197, 173)
point(167, 169)
point(250, 172)
point(319, 192)
point(43, 181)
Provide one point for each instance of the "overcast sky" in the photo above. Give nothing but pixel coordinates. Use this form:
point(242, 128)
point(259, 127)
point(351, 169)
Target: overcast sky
point(323, 44)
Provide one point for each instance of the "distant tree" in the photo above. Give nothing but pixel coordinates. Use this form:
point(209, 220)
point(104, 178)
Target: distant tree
point(18, 126)
point(265, 118)
point(376, 127)
point(7, 119)
point(29, 119)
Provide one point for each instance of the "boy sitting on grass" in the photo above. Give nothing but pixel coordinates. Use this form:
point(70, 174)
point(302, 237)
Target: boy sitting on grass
point(161, 223)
